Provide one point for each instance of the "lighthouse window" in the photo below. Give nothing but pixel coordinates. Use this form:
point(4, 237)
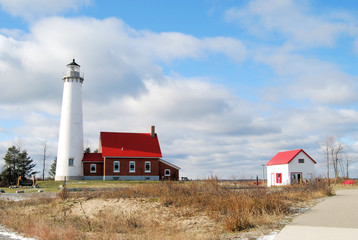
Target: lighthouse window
point(116, 166)
point(131, 166)
point(93, 168)
point(147, 166)
point(70, 161)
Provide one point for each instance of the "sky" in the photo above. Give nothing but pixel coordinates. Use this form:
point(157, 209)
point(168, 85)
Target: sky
point(227, 84)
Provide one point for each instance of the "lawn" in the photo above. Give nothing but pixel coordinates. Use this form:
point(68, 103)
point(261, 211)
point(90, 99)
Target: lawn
point(50, 186)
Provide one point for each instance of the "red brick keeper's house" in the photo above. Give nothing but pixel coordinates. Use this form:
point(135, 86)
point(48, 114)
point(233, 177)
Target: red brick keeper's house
point(128, 156)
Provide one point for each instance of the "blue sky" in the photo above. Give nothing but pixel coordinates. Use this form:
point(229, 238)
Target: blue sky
point(228, 84)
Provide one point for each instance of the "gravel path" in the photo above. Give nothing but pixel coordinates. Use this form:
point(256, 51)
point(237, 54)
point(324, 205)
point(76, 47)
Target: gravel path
point(23, 196)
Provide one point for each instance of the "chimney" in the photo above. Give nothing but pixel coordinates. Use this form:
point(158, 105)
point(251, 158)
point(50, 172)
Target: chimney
point(152, 131)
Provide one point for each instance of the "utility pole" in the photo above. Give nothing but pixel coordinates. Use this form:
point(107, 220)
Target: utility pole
point(263, 174)
point(44, 163)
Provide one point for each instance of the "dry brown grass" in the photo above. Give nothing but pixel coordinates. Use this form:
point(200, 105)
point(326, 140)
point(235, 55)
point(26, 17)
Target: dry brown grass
point(171, 210)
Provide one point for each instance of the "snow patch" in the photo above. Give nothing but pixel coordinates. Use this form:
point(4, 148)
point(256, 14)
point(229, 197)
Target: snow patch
point(12, 235)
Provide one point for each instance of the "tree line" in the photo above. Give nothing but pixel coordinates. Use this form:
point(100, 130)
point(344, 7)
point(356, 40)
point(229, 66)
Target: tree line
point(18, 163)
point(336, 155)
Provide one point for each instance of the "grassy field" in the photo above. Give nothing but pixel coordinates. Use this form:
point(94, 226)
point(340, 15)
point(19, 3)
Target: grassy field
point(51, 186)
point(207, 209)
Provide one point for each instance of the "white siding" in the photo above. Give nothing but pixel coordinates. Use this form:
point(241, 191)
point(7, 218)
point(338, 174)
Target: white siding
point(307, 168)
point(271, 174)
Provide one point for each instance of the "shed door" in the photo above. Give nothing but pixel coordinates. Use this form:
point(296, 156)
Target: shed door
point(273, 179)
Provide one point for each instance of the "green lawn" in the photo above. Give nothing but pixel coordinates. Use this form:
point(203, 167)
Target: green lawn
point(53, 186)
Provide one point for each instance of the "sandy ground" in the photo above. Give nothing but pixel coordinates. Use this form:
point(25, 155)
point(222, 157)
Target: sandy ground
point(183, 221)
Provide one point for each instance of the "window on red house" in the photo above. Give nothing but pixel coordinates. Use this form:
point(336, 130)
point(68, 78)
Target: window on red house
point(131, 166)
point(93, 168)
point(116, 166)
point(147, 167)
point(278, 177)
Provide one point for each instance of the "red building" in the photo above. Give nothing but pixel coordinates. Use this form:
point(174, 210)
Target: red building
point(128, 156)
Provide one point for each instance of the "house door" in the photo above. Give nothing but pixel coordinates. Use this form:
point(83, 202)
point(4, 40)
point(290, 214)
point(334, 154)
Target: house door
point(296, 177)
point(273, 179)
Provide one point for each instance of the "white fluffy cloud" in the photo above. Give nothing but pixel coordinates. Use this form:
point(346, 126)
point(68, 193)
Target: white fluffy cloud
point(289, 19)
point(33, 9)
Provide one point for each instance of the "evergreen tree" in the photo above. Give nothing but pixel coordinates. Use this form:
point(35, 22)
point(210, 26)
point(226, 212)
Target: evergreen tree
point(17, 164)
point(52, 171)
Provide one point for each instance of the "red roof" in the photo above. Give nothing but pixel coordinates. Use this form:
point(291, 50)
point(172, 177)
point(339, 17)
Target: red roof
point(286, 157)
point(92, 157)
point(116, 144)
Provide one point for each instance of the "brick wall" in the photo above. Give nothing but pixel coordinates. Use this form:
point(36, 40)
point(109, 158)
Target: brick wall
point(139, 166)
point(174, 173)
point(87, 171)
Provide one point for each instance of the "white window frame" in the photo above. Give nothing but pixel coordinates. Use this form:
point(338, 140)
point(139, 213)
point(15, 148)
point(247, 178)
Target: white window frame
point(95, 168)
point(71, 162)
point(132, 170)
point(145, 167)
point(119, 166)
point(165, 172)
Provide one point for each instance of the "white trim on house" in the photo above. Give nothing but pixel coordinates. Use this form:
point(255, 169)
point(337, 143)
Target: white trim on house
point(95, 168)
point(165, 173)
point(169, 164)
point(119, 166)
point(130, 169)
point(145, 167)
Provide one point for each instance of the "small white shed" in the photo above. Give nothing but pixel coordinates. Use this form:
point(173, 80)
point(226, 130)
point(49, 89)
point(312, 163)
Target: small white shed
point(290, 167)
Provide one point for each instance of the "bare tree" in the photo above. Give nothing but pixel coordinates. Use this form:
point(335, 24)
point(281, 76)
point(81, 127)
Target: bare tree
point(333, 149)
point(347, 162)
point(325, 149)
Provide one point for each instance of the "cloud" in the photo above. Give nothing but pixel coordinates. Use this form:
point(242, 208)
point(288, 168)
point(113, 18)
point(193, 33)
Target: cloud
point(290, 20)
point(172, 45)
point(300, 78)
point(108, 49)
point(34, 9)
point(124, 88)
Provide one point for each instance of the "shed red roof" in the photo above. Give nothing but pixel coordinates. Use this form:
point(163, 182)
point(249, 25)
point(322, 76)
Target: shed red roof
point(92, 157)
point(286, 157)
point(115, 144)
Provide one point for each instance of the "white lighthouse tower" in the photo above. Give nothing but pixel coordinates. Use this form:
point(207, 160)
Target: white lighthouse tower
point(70, 143)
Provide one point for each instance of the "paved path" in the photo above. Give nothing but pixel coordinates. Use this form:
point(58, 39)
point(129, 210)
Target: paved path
point(24, 196)
point(334, 218)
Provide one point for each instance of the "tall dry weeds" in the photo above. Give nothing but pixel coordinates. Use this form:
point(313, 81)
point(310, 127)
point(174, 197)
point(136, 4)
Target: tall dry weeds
point(232, 207)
